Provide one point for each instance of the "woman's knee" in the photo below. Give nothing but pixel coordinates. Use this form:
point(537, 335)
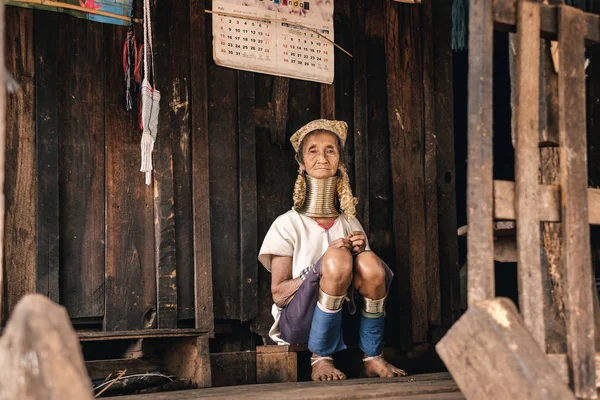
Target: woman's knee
point(368, 267)
point(337, 265)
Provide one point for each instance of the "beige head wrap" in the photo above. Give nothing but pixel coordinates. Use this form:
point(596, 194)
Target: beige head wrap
point(340, 129)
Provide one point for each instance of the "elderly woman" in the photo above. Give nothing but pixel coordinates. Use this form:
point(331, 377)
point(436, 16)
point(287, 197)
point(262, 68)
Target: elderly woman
point(318, 255)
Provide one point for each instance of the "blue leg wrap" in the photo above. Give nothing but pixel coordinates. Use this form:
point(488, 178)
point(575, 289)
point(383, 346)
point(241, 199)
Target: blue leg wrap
point(326, 333)
point(371, 335)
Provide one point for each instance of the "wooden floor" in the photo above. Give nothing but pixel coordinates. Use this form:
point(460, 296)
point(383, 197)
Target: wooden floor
point(438, 386)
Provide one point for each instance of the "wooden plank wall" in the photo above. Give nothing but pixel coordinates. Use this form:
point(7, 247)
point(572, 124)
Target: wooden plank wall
point(112, 248)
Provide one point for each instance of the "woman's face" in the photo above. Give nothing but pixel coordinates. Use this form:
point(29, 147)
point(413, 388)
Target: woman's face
point(320, 155)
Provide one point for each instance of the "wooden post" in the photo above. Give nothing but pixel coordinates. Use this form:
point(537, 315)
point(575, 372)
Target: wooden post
point(480, 242)
point(2, 161)
point(574, 202)
point(526, 169)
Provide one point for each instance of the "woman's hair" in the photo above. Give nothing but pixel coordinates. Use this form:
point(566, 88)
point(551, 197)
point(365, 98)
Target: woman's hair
point(347, 200)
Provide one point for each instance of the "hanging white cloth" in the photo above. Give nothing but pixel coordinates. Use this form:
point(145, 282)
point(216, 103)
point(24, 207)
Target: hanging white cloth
point(150, 100)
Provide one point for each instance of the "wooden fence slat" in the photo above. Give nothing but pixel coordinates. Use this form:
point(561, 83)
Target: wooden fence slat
point(434, 302)
point(20, 190)
point(130, 264)
point(165, 238)
point(574, 202)
point(248, 197)
point(203, 287)
point(531, 298)
point(480, 244)
point(47, 216)
point(360, 120)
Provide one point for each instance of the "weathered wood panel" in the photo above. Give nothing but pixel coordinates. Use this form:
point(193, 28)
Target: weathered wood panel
point(527, 162)
point(224, 189)
point(480, 245)
point(173, 73)
point(130, 270)
point(432, 262)
point(20, 190)
point(446, 174)
point(248, 197)
point(172, 44)
point(409, 112)
point(398, 170)
point(3, 79)
point(574, 203)
point(81, 165)
point(46, 125)
point(203, 286)
point(360, 118)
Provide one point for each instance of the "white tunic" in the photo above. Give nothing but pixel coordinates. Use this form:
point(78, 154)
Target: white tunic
point(302, 238)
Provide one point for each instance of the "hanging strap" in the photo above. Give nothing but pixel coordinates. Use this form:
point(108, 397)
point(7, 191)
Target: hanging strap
point(148, 42)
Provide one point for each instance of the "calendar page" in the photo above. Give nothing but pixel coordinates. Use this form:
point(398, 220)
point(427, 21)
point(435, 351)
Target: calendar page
point(278, 37)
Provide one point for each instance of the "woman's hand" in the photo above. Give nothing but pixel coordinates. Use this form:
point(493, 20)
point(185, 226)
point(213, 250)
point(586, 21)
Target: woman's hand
point(358, 241)
point(341, 243)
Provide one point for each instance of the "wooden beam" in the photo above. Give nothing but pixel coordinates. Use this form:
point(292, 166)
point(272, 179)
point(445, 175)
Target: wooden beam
point(505, 17)
point(89, 336)
point(490, 344)
point(203, 299)
point(527, 161)
point(248, 197)
point(548, 202)
point(480, 244)
point(574, 202)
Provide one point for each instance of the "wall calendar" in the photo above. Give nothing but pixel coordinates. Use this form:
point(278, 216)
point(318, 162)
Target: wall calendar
point(277, 37)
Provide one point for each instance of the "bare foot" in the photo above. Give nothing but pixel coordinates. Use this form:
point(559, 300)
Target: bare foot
point(324, 370)
point(379, 367)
